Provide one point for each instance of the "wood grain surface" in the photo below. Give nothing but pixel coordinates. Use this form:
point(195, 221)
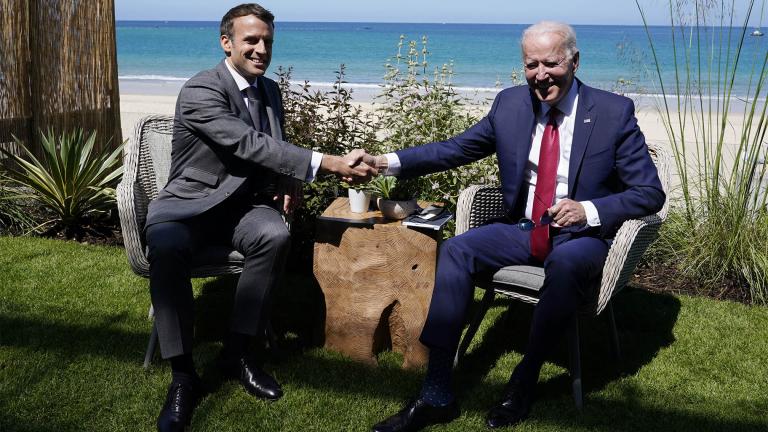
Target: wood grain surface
point(377, 278)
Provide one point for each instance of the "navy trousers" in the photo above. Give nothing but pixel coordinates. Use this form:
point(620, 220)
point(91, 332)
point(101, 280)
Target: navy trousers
point(571, 269)
point(255, 230)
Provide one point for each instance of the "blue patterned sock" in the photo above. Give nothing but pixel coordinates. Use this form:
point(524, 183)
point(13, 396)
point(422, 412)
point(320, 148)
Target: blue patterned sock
point(436, 390)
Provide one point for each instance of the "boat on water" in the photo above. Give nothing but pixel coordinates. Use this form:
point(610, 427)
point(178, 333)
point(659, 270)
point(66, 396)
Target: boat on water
point(757, 32)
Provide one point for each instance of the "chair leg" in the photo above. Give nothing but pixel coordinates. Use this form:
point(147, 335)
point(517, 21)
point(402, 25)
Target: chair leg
point(151, 346)
point(474, 324)
point(574, 353)
point(271, 339)
point(614, 333)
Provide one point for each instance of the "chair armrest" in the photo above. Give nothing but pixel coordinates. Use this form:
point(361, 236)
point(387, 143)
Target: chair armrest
point(629, 245)
point(131, 231)
point(477, 204)
point(127, 207)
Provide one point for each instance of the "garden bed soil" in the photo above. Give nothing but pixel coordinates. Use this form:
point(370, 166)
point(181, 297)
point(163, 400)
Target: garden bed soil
point(664, 278)
point(104, 233)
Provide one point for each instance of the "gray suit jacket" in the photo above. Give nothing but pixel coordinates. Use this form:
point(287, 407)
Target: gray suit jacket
point(215, 147)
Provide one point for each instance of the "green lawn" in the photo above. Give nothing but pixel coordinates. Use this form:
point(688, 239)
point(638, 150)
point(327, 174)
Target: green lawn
point(73, 329)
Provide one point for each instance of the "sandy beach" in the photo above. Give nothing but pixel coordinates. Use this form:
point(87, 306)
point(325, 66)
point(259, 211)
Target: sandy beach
point(134, 106)
point(138, 100)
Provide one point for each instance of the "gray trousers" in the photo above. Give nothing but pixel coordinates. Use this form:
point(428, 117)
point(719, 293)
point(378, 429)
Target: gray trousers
point(255, 230)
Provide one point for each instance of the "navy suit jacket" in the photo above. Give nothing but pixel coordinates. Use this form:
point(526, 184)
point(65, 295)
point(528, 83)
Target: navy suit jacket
point(610, 164)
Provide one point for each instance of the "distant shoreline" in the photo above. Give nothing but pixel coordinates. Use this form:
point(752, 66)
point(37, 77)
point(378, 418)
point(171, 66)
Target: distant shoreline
point(366, 92)
point(361, 92)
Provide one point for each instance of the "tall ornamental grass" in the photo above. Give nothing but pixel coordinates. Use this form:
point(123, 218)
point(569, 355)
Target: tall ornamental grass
point(717, 232)
point(15, 214)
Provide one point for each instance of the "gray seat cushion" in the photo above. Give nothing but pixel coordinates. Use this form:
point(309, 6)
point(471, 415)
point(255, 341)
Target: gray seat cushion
point(215, 255)
point(520, 279)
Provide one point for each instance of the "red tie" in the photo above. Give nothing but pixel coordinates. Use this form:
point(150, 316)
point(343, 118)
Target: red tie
point(546, 182)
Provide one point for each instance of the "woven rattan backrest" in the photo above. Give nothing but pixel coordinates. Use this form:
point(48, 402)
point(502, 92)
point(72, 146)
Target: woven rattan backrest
point(154, 161)
point(489, 204)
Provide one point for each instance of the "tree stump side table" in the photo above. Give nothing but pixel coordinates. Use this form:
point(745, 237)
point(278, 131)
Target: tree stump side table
point(377, 278)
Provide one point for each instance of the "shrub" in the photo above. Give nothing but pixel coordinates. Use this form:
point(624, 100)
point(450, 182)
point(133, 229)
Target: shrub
point(717, 231)
point(70, 181)
point(327, 122)
point(416, 109)
point(413, 109)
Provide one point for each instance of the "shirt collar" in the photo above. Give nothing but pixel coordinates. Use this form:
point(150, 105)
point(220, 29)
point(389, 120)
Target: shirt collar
point(241, 82)
point(566, 104)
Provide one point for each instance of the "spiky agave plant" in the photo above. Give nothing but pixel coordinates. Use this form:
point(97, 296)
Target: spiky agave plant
point(70, 180)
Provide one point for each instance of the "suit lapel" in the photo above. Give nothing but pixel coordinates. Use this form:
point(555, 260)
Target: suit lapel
point(230, 86)
point(270, 103)
point(527, 119)
point(582, 130)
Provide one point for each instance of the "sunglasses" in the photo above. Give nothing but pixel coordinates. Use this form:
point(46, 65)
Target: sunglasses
point(526, 224)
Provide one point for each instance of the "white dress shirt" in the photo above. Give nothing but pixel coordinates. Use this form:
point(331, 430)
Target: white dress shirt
point(568, 107)
point(243, 84)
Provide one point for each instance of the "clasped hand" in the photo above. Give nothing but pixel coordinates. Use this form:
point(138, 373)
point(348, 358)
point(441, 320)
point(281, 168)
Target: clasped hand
point(355, 167)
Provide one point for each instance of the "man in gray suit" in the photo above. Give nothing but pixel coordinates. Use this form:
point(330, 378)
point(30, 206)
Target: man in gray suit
point(231, 176)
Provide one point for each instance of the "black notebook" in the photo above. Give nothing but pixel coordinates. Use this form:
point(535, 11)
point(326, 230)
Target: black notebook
point(432, 217)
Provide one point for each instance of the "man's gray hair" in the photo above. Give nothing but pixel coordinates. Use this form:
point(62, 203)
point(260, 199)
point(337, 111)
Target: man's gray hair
point(546, 27)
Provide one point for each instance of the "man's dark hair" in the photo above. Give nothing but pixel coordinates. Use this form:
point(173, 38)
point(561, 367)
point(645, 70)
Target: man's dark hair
point(242, 10)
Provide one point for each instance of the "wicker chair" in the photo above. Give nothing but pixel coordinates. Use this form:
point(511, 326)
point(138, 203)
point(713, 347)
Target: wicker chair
point(147, 163)
point(478, 204)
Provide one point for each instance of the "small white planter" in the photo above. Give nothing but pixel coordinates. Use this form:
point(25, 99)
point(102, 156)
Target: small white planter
point(393, 209)
point(359, 201)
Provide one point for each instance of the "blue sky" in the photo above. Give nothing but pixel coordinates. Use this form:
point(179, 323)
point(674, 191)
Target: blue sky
point(620, 12)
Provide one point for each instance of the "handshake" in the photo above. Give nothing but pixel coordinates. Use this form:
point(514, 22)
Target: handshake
point(354, 168)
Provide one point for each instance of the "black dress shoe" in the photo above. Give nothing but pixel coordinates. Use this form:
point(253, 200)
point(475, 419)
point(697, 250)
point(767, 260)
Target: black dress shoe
point(416, 415)
point(180, 402)
point(254, 380)
point(513, 408)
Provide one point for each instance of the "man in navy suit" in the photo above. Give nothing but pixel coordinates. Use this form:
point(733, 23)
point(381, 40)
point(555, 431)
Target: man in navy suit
point(566, 151)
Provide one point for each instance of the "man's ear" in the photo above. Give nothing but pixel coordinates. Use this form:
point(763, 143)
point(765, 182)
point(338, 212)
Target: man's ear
point(576, 61)
point(226, 44)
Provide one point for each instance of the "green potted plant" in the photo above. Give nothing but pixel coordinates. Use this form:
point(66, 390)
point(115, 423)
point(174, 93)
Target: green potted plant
point(395, 199)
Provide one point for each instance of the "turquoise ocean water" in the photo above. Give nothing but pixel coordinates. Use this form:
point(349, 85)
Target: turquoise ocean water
point(483, 55)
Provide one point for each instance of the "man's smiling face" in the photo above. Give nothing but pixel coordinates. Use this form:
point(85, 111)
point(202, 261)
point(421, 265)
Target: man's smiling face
point(548, 69)
point(249, 48)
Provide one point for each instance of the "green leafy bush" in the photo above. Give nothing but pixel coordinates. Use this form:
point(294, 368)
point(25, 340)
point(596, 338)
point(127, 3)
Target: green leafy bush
point(71, 181)
point(327, 122)
point(417, 109)
point(413, 108)
point(717, 233)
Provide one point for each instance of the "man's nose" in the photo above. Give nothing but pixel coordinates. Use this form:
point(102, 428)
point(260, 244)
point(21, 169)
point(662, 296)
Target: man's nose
point(542, 73)
point(260, 47)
